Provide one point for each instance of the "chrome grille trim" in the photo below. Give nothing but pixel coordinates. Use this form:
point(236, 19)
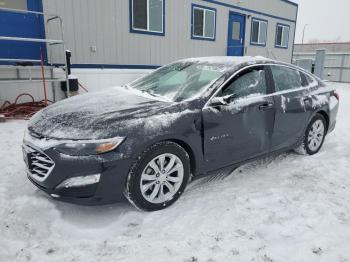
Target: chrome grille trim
point(39, 164)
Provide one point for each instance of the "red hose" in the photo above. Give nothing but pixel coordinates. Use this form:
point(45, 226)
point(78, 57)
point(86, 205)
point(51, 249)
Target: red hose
point(23, 94)
point(24, 110)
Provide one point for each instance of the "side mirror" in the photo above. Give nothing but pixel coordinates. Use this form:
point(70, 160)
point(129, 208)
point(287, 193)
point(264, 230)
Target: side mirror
point(222, 101)
point(218, 101)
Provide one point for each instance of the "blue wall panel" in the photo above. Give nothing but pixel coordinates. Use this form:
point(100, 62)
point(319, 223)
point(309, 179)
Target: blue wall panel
point(22, 25)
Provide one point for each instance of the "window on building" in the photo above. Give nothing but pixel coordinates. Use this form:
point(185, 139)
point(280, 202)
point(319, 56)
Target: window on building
point(258, 32)
point(203, 22)
point(147, 16)
point(282, 35)
point(14, 4)
point(285, 78)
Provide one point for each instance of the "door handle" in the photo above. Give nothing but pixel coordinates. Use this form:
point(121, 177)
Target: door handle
point(265, 106)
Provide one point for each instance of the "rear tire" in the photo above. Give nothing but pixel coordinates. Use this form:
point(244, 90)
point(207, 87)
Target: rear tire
point(314, 136)
point(158, 177)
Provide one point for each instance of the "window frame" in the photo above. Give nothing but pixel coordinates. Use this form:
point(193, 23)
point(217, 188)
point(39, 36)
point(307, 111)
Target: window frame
point(293, 89)
point(20, 5)
point(145, 31)
point(254, 19)
point(283, 27)
point(271, 84)
point(242, 73)
point(204, 8)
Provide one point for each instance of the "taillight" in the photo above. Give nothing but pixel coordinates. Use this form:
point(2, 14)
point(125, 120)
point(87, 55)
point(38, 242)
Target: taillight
point(336, 95)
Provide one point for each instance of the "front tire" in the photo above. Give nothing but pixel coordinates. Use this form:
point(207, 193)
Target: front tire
point(314, 136)
point(158, 177)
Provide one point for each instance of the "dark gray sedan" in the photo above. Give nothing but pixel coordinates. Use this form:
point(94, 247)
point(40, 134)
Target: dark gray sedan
point(188, 119)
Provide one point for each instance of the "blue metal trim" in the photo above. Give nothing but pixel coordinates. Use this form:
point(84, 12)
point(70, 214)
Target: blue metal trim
point(192, 27)
point(145, 32)
point(114, 66)
point(27, 25)
point(251, 30)
point(280, 46)
point(248, 10)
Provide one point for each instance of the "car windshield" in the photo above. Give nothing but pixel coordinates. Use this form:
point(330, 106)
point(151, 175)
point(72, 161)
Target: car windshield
point(180, 81)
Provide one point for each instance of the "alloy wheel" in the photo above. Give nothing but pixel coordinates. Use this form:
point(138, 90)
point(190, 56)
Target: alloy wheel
point(316, 134)
point(161, 178)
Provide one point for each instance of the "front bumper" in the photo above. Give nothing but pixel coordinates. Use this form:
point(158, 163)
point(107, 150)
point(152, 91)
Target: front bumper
point(112, 167)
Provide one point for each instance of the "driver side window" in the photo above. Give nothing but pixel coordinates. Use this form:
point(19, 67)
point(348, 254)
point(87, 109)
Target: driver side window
point(249, 83)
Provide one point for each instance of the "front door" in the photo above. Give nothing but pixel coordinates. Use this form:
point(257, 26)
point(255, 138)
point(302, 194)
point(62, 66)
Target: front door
point(242, 128)
point(235, 38)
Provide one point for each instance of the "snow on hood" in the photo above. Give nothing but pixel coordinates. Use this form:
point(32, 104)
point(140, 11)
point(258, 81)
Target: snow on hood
point(105, 114)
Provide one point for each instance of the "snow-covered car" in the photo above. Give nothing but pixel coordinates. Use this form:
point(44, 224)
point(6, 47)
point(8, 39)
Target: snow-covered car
point(188, 119)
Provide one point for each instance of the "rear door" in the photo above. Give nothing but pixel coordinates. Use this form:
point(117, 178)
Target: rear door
point(242, 128)
point(291, 98)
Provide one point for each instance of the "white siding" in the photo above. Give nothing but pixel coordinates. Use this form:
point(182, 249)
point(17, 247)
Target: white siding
point(105, 24)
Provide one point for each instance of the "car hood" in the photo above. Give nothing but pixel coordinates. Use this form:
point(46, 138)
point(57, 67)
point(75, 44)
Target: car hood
point(106, 114)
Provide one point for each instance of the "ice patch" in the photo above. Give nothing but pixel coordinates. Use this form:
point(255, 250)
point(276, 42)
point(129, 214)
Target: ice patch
point(284, 101)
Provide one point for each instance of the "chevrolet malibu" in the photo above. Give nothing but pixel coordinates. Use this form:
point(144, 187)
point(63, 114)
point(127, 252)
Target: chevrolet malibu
point(146, 140)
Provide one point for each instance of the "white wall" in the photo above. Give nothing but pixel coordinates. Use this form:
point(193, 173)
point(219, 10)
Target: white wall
point(9, 91)
point(96, 79)
point(98, 32)
point(91, 79)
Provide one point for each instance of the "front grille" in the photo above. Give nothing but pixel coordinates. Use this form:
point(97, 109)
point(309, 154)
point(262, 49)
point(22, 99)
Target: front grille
point(38, 163)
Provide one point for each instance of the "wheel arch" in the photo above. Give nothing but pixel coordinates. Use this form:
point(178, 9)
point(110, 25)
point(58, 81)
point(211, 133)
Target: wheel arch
point(326, 117)
point(189, 151)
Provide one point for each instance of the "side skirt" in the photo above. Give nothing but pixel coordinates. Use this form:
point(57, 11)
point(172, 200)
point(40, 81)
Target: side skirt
point(223, 172)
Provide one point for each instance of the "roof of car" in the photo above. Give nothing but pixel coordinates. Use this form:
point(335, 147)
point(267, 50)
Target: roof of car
point(232, 60)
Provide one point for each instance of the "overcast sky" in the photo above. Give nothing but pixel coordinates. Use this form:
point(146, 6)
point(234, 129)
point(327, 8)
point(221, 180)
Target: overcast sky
point(328, 20)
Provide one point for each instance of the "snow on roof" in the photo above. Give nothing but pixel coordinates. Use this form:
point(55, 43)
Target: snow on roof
point(233, 60)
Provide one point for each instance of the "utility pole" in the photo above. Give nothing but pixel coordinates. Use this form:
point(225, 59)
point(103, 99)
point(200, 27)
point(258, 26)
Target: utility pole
point(302, 41)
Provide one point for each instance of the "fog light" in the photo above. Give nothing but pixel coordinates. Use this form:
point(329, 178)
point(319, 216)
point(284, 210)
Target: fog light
point(80, 181)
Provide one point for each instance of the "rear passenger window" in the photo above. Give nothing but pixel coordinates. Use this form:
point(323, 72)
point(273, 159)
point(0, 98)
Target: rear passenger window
point(308, 80)
point(285, 78)
point(304, 80)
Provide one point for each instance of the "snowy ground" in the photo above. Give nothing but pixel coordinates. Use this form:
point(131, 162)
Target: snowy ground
point(286, 208)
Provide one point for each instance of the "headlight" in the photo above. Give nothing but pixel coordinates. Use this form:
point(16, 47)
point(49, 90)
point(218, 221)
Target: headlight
point(89, 147)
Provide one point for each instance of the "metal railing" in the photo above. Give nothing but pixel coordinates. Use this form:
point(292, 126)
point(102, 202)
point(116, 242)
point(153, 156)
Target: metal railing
point(336, 65)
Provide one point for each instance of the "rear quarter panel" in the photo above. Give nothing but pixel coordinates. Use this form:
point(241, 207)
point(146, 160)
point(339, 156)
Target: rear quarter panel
point(323, 101)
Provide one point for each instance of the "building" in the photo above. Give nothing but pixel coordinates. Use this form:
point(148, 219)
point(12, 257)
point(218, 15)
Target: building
point(336, 61)
point(114, 41)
